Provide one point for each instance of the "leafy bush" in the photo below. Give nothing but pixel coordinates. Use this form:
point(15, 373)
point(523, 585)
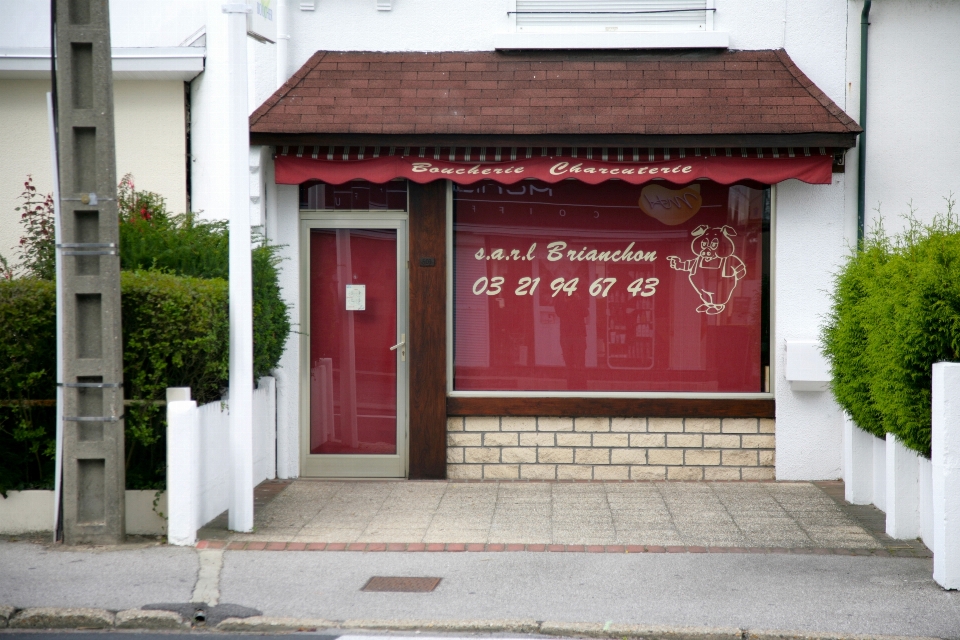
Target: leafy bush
point(896, 311)
point(27, 373)
point(151, 238)
point(175, 317)
point(174, 334)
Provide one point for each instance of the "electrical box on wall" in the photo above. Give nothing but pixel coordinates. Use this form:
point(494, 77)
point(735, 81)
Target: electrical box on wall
point(807, 368)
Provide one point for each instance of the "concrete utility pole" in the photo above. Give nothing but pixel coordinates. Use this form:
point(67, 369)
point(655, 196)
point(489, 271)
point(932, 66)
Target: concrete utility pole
point(93, 449)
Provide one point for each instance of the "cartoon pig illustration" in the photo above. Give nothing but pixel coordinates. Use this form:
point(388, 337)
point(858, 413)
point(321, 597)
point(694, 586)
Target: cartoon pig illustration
point(715, 271)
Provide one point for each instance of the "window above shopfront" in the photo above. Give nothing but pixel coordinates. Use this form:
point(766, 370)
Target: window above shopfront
point(591, 24)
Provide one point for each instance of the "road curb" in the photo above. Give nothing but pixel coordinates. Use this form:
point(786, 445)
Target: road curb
point(84, 618)
point(55, 618)
point(150, 619)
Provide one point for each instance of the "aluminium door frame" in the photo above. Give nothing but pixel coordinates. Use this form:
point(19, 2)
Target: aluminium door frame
point(339, 466)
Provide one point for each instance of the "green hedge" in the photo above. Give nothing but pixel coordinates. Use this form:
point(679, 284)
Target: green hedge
point(175, 333)
point(896, 311)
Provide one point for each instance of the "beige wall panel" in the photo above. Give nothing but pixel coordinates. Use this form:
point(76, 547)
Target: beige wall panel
point(151, 144)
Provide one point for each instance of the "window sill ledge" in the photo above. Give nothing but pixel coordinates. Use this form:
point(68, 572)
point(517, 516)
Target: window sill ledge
point(616, 407)
point(615, 40)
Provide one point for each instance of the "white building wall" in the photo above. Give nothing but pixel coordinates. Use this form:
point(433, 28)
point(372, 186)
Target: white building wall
point(810, 244)
point(913, 132)
point(150, 137)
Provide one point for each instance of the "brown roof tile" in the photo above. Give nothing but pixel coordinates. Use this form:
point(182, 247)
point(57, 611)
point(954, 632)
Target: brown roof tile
point(729, 92)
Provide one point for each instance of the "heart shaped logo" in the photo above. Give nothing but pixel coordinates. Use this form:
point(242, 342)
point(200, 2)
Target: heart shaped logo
point(671, 206)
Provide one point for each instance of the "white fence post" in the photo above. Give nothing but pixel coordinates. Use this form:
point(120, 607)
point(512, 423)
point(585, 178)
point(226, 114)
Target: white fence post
point(903, 491)
point(183, 467)
point(945, 460)
point(857, 463)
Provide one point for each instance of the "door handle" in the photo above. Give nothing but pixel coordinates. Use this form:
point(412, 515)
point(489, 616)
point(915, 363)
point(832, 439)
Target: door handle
point(402, 345)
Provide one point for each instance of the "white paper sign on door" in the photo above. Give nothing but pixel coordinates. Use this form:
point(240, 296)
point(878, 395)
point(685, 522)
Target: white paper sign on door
point(356, 297)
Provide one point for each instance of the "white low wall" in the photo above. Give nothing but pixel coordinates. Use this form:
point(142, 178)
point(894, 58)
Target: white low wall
point(32, 511)
point(921, 497)
point(198, 460)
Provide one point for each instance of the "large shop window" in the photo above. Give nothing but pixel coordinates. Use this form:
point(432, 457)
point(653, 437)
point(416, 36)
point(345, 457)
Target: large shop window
point(611, 288)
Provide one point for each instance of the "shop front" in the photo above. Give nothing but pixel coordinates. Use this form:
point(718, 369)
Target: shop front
point(516, 309)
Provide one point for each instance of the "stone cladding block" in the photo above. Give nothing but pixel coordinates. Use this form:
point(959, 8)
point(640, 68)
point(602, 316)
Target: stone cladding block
point(538, 472)
point(465, 471)
point(663, 425)
point(611, 472)
point(554, 424)
point(615, 449)
point(648, 440)
point(739, 425)
point(721, 442)
point(648, 472)
point(480, 455)
point(518, 423)
point(701, 425)
point(501, 439)
point(684, 440)
point(478, 423)
point(555, 455)
point(574, 439)
point(591, 456)
point(591, 424)
point(611, 440)
point(684, 473)
point(628, 425)
point(537, 439)
point(721, 473)
point(518, 454)
point(464, 439)
point(757, 442)
point(758, 473)
point(665, 456)
point(628, 456)
point(701, 457)
point(501, 472)
point(739, 458)
point(574, 472)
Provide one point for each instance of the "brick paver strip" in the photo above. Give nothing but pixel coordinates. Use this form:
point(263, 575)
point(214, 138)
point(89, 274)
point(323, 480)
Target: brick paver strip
point(575, 548)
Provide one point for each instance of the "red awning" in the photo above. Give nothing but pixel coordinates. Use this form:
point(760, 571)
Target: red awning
point(465, 165)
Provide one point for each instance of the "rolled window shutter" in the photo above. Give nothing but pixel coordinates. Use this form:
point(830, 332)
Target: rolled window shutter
point(602, 15)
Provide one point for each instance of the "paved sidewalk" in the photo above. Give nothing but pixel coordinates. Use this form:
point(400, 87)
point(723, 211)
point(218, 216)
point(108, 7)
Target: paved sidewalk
point(730, 515)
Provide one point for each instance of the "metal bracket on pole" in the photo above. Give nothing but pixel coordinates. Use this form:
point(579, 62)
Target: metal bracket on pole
point(89, 249)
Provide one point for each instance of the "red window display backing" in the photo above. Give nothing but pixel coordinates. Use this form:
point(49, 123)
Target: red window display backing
point(610, 288)
point(353, 323)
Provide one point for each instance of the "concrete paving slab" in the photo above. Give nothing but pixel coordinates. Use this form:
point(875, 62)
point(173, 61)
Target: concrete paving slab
point(828, 594)
point(697, 514)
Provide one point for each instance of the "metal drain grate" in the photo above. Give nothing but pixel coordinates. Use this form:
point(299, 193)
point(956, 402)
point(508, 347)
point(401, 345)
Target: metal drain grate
point(401, 583)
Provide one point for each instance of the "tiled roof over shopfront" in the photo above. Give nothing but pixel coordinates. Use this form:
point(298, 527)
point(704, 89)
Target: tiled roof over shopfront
point(572, 93)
